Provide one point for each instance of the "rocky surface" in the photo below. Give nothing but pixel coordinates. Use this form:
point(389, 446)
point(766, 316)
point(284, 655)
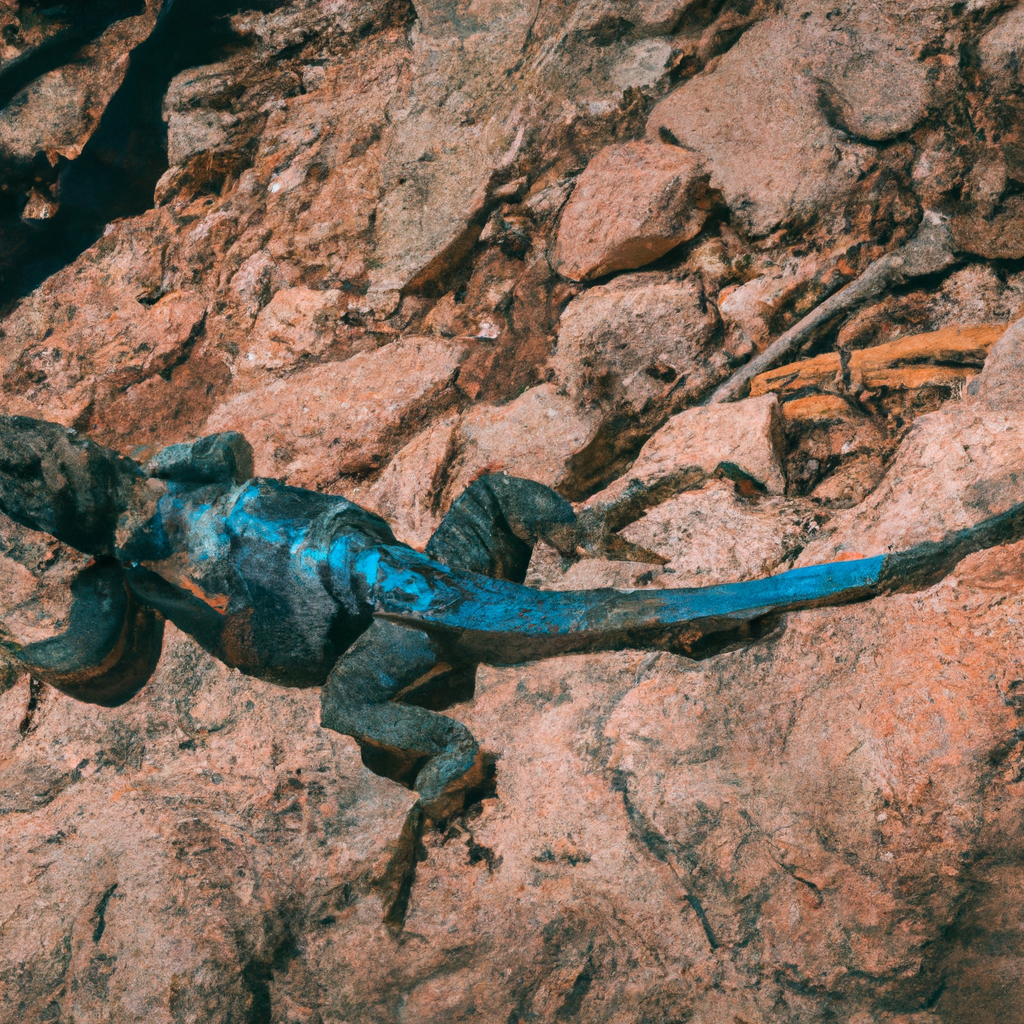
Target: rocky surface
point(400, 246)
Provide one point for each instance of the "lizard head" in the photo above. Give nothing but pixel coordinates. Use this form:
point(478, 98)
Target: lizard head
point(53, 480)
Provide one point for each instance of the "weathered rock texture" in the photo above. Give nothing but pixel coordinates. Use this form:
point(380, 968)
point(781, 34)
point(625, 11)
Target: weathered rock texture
point(631, 205)
point(402, 245)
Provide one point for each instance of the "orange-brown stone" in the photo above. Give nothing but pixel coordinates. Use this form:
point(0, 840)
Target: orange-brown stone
point(630, 206)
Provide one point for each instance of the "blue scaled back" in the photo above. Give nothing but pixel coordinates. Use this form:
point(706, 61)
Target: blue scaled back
point(247, 572)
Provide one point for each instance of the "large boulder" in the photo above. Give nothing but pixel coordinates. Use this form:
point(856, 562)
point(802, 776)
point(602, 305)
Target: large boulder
point(343, 417)
point(779, 118)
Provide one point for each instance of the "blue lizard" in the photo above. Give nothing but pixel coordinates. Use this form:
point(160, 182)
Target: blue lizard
point(306, 589)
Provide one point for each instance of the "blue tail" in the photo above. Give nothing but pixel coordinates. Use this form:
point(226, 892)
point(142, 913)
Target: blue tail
point(495, 621)
point(505, 623)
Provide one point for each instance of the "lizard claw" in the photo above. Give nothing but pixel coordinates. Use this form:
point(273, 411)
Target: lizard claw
point(451, 799)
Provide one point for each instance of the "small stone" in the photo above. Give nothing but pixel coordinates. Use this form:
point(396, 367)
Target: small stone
point(171, 326)
point(768, 146)
point(743, 435)
point(407, 493)
point(760, 115)
point(194, 110)
point(533, 436)
point(1001, 50)
point(628, 343)
point(252, 281)
point(58, 110)
point(996, 237)
point(39, 206)
point(714, 535)
point(857, 476)
point(631, 205)
point(750, 310)
point(740, 440)
point(380, 302)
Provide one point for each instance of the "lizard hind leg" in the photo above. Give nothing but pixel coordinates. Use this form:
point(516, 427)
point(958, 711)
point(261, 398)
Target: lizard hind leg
point(436, 755)
point(493, 525)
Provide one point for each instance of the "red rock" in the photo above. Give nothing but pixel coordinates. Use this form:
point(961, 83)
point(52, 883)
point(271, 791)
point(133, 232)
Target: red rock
point(99, 352)
point(196, 122)
point(1000, 49)
point(628, 344)
point(410, 492)
point(997, 237)
point(821, 824)
point(703, 537)
point(533, 436)
point(132, 851)
point(297, 323)
point(750, 310)
point(39, 206)
point(631, 205)
point(714, 535)
point(678, 805)
point(252, 282)
point(769, 148)
point(760, 115)
point(342, 418)
point(742, 439)
point(57, 112)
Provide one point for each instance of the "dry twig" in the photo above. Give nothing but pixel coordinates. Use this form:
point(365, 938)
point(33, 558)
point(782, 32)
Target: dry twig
point(928, 252)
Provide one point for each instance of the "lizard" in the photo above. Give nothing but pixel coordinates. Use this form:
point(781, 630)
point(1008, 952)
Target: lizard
point(308, 589)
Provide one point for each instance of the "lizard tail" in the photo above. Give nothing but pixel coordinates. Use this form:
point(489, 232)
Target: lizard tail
point(484, 619)
point(495, 621)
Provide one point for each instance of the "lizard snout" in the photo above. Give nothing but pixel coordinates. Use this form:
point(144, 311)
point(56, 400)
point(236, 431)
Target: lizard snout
point(53, 480)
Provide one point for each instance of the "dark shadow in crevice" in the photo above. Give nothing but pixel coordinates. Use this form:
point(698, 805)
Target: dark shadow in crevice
point(118, 169)
point(258, 973)
point(88, 20)
point(738, 639)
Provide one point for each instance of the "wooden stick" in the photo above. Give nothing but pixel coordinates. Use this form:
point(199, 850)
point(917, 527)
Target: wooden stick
point(928, 252)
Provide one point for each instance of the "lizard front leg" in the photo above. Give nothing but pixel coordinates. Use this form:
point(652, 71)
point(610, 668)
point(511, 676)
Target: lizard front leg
point(111, 646)
point(493, 526)
point(358, 700)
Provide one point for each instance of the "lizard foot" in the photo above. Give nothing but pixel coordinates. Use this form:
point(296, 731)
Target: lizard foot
point(442, 753)
point(433, 754)
point(444, 783)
